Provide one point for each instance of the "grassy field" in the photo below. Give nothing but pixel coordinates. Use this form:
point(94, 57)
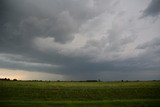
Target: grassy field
point(79, 94)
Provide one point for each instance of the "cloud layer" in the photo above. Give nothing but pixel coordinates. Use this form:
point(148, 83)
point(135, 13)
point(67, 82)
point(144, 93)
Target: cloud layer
point(82, 39)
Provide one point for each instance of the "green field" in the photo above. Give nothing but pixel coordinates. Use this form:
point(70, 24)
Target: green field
point(79, 94)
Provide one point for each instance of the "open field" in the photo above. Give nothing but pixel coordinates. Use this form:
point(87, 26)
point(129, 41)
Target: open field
point(76, 94)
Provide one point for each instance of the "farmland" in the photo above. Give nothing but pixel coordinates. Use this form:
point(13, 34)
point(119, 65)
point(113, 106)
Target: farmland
point(76, 94)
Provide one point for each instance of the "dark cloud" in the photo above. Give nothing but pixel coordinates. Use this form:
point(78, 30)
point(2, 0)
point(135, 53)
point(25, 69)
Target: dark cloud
point(153, 8)
point(24, 20)
point(57, 23)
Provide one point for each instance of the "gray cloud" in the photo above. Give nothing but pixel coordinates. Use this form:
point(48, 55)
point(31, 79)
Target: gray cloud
point(25, 20)
point(152, 44)
point(153, 8)
point(79, 39)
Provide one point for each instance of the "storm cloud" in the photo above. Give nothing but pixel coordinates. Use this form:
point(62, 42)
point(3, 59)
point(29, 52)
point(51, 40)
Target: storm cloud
point(81, 39)
point(153, 8)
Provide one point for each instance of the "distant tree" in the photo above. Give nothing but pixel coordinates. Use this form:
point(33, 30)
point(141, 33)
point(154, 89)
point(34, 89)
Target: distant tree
point(5, 79)
point(14, 79)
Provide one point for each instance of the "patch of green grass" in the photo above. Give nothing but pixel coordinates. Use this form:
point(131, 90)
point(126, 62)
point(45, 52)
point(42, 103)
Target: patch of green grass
point(17, 90)
point(76, 94)
point(114, 103)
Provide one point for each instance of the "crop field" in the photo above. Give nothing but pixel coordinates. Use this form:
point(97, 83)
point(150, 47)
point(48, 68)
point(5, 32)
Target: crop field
point(79, 94)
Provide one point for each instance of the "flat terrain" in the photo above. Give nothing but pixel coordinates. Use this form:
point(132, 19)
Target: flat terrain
point(79, 94)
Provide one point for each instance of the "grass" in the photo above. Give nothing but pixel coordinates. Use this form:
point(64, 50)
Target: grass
point(114, 103)
point(76, 94)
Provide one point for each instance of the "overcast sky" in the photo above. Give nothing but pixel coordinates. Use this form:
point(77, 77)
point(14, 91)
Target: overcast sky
point(80, 39)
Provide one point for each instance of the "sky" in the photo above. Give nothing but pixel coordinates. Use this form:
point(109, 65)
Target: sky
point(80, 39)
